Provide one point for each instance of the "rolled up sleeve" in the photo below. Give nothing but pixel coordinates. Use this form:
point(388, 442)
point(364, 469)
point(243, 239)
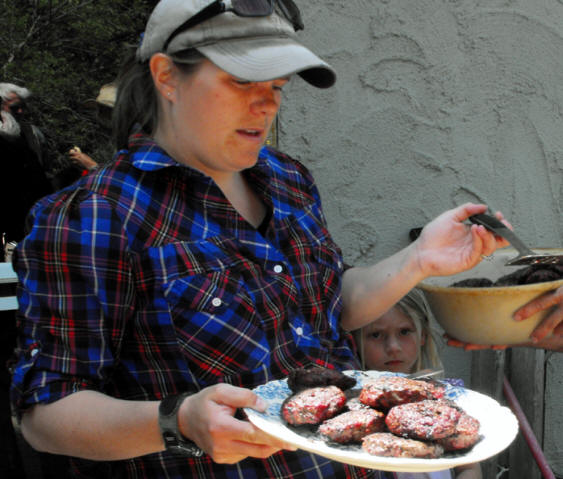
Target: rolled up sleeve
point(75, 296)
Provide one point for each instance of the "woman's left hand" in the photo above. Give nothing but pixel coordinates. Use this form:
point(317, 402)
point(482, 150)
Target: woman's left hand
point(447, 245)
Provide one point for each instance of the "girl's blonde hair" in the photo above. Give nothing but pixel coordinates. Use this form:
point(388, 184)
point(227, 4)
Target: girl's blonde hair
point(414, 304)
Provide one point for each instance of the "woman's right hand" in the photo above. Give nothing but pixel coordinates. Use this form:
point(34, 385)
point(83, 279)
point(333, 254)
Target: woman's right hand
point(207, 418)
point(447, 245)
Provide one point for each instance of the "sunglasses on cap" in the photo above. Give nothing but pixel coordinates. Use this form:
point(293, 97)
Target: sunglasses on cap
point(242, 8)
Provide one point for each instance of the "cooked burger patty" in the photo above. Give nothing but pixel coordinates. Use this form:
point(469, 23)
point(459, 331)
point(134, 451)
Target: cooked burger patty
point(428, 420)
point(313, 406)
point(389, 445)
point(315, 376)
point(466, 434)
point(389, 391)
point(352, 426)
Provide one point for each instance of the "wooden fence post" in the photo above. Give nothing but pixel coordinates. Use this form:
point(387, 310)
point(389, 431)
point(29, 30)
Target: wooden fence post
point(526, 374)
point(487, 373)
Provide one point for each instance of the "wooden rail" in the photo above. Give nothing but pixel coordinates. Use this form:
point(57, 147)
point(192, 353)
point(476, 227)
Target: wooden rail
point(527, 431)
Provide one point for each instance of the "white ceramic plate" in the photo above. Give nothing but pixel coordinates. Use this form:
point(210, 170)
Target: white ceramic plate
point(498, 429)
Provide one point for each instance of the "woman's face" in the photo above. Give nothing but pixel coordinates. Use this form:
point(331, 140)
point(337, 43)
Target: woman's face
point(391, 343)
point(218, 123)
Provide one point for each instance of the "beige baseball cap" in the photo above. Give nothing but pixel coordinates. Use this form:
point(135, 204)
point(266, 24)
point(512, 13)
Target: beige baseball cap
point(250, 48)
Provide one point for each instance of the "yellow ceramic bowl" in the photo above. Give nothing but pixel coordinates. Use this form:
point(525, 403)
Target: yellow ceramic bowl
point(484, 315)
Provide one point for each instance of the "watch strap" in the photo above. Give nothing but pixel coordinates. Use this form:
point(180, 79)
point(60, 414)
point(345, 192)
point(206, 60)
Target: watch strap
point(168, 423)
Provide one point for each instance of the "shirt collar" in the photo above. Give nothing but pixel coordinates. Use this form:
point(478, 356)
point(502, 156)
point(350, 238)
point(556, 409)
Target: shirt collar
point(147, 155)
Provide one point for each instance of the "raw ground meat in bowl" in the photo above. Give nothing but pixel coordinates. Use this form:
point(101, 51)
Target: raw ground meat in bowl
point(484, 315)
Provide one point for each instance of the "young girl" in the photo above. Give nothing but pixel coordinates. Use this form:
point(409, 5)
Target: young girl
point(402, 341)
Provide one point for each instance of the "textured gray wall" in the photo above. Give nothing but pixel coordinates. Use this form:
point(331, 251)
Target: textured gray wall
point(437, 102)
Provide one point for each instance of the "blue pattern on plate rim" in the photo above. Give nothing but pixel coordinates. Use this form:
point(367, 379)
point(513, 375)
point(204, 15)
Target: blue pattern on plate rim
point(275, 392)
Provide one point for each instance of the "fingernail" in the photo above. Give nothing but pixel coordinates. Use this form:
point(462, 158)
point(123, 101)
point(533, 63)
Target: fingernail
point(260, 404)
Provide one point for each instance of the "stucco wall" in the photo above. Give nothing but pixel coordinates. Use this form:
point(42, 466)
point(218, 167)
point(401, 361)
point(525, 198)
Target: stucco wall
point(437, 102)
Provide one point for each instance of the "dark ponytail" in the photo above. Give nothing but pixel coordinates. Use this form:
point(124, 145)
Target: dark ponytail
point(135, 101)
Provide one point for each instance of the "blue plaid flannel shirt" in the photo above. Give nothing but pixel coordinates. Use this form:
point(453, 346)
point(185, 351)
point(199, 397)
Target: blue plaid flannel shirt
point(141, 281)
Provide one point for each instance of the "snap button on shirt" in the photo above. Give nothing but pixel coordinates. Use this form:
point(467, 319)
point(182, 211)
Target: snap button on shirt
point(278, 268)
point(216, 302)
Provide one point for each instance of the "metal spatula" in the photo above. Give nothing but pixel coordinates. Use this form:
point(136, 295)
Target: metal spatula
point(526, 255)
point(429, 373)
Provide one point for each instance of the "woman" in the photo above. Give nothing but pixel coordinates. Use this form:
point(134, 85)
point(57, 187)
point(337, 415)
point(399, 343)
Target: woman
point(158, 290)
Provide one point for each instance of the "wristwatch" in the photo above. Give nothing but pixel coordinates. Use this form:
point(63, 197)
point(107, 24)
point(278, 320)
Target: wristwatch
point(168, 423)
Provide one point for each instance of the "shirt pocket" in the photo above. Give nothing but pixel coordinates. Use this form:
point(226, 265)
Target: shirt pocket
point(216, 324)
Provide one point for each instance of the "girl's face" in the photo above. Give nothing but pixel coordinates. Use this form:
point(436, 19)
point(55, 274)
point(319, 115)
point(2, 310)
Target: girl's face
point(218, 123)
point(391, 342)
